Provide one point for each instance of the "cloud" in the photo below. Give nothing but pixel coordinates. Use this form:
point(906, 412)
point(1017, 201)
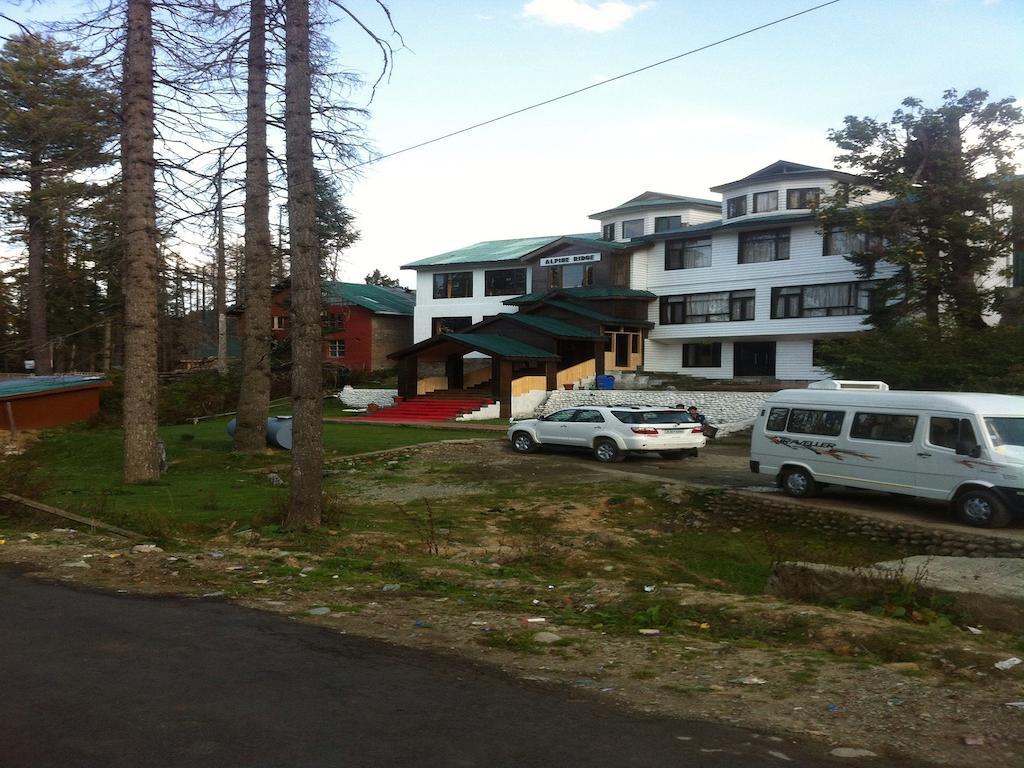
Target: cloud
point(584, 14)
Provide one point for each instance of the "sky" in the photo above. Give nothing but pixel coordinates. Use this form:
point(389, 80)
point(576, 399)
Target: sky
point(680, 128)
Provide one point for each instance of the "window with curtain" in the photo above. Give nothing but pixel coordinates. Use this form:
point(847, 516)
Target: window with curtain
point(576, 275)
point(829, 300)
point(451, 324)
point(741, 305)
point(735, 206)
point(504, 282)
point(766, 201)
point(806, 197)
point(453, 285)
point(840, 241)
point(633, 228)
point(702, 355)
point(666, 223)
point(764, 245)
point(688, 254)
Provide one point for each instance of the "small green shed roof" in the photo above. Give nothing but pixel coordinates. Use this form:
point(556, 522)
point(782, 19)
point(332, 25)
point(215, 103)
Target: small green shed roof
point(552, 326)
point(377, 299)
point(581, 293)
point(33, 385)
point(502, 346)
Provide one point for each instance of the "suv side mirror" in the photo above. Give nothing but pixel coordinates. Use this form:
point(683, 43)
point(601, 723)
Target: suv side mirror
point(967, 449)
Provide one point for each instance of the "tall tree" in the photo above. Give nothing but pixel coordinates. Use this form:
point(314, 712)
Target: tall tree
point(56, 119)
point(948, 173)
point(221, 300)
point(335, 226)
point(254, 398)
point(306, 333)
point(141, 440)
point(379, 278)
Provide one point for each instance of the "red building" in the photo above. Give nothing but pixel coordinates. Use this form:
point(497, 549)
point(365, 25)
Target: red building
point(363, 324)
point(39, 402)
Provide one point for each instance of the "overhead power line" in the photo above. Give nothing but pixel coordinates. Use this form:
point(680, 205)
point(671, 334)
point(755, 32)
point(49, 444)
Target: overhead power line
point(553, 99)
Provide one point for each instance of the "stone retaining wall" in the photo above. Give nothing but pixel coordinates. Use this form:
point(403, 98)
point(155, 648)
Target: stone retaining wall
point(361, 398)
point(744, 508)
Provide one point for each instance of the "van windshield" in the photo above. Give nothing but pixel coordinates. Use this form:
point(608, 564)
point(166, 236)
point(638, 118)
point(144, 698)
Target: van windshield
point(1007, 435)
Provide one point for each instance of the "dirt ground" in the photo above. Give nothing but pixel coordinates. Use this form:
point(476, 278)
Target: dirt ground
point(802, 671)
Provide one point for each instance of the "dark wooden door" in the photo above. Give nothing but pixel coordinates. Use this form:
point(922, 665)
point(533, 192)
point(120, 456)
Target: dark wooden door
point(753, 358)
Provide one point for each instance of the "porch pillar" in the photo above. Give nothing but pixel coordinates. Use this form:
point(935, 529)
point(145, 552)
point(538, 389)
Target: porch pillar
point(454, 367)
point(599, 357)
point(408, 368)
point(495, 379)
point(505, 389)
point(551, 374)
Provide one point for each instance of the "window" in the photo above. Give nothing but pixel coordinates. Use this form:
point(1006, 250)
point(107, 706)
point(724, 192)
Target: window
point(334, 321)
point(504, 282)
point(572, 276)
point(777, 418)
point(337, 348)
point(451, 324)
point(811, 422)
point(279, 322)
point(707, 307)
point(829, 300)
point(652, 417)
point(735, 206)
point(702, 355)
point(665, 223)
point(764, 245)
point(839, 241)
point(564, 415)
point(588, 416)
point(453, 285)
point(608, 232)
point(688, 254)
point(888, 427)
point(766, 201)
point(947, 432)
point(807, 197)
point(632, 228)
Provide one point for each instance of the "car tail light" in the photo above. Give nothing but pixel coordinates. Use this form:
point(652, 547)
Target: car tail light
point(644, 430)
point(697, 431)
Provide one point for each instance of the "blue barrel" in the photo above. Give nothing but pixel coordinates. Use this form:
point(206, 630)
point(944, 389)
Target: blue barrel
point(279, 431)
point(605, 381)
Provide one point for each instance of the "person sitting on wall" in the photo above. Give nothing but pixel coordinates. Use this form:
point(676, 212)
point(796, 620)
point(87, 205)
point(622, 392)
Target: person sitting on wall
point(696, 415)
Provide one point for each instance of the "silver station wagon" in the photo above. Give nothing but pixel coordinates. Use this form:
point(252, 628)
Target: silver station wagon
point(612, 432)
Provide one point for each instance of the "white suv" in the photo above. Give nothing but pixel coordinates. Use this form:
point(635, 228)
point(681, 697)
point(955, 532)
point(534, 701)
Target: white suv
point(612, 431)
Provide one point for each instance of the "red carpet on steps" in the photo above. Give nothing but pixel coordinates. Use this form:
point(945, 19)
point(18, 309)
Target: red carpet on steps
point(427, 409)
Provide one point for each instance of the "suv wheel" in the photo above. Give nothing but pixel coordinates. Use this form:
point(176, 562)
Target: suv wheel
point(982, 509)
point(607, 451)
point(523, 443)
point(799, 483)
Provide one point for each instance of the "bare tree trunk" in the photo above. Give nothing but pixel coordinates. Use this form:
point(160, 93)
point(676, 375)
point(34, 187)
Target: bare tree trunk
point(36, 271)
point(222, 276)
point(105, 357)
point(306, 332)
point(141, 440)
point(254, 399)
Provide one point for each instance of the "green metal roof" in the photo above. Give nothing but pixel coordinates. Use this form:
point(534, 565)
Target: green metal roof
point(33, 385)
point(502, 346)
point(379, 300)
point(593, 314)
point(552, 326)
point(496, 250)
point(657, 200)
point(582, 293)
point(489, 250)
point(783, 168)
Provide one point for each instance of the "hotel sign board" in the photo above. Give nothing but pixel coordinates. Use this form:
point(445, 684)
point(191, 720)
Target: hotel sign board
point(576, 258)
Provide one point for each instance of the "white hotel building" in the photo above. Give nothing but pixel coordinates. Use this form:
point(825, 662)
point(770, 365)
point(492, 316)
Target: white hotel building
point(742, 286)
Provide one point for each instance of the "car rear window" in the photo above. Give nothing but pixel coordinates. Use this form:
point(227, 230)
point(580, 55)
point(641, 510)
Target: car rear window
point(652, 417)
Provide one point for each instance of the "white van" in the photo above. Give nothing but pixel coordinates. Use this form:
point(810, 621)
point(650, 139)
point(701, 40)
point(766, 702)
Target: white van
point(963, 447)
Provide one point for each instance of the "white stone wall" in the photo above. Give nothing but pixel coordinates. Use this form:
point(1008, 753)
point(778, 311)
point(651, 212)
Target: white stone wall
point(729, 411)
point(361, 398)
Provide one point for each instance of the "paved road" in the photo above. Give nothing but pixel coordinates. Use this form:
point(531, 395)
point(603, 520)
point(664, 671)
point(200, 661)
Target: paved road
point(90, 679)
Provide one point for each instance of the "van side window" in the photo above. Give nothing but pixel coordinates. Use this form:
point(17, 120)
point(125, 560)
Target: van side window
point(808, 422)
point(888, 427)
point(777, 419)
point(946, 432)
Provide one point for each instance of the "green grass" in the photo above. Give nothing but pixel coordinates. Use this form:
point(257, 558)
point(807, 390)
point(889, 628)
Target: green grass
point(208, 485)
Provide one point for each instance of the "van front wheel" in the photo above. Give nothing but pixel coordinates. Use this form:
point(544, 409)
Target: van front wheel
point(798, 483)
point(982, 509)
